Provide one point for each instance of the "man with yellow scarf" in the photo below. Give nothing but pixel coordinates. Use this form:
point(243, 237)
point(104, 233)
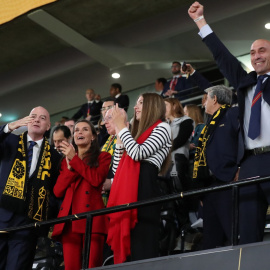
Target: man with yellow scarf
point(216, 163)
point(28, 171)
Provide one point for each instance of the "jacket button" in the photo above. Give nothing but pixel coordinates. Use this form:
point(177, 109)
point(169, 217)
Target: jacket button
point(87, 205)
point(86, 192)
point(61, 208)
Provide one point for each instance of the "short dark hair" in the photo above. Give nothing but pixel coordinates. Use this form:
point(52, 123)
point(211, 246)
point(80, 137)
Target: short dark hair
point(177, 62)
point(109, 99)
point(161, 80)
point(65, 129)
point(117, 85)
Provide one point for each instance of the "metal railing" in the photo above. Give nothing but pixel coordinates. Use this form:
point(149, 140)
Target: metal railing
point(176, 196)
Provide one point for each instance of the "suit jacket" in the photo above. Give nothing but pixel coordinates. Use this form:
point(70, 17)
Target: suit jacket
point(198, 79)
point(236, 75)
point(94, 112)
point(8, 152)
point(222, 147)
point(181, 87)
point(81, 189)
point(123, 101)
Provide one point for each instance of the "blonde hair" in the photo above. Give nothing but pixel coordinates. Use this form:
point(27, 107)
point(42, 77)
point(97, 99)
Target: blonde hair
point(176, 107)
point(194, 112)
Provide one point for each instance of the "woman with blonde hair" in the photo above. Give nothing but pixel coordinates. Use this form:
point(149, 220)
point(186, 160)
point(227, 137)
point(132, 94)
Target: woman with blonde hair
point(182, 127)
point(139, 156)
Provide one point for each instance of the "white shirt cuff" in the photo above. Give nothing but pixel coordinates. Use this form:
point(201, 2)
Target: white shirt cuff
point(193, 72)
point(205, 31)
point(6, 129)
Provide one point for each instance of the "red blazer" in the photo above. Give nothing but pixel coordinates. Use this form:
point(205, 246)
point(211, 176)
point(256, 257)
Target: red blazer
point(81, 190)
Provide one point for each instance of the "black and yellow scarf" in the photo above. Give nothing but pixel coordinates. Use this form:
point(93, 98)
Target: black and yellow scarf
point(22, 193)
point(200, 170)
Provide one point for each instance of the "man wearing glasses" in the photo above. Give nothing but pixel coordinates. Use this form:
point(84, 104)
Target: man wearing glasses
point(178, 85)
point(103, 134)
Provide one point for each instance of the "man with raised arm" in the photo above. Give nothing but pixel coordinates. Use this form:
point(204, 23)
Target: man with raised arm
point(253, 94)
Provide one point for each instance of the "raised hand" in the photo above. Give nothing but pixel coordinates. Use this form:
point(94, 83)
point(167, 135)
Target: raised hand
point(195, 10)
point(118, 118)
point(20, 123)
point(196, 13)
point(189, 69)
point(68, 150)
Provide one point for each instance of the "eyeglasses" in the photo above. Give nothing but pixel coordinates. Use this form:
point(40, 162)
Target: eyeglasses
point(175, 66)
point(107, 119)
point(106, 108)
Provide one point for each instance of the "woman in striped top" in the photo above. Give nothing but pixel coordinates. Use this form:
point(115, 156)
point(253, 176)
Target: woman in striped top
point(139, 156)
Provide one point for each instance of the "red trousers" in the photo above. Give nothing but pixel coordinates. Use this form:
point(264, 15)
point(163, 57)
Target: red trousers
point(73, 246)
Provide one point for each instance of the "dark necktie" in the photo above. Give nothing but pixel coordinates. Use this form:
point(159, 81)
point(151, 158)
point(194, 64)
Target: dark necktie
point(254, 129)
point(30, 154)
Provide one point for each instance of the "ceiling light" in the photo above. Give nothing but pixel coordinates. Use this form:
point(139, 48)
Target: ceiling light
point(116, 75)
point(267, 26)
point(0, 114)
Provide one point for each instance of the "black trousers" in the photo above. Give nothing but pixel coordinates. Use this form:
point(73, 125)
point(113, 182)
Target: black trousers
point(254, 199)
point(17, 249)
point(217, 219)
point(145, 235)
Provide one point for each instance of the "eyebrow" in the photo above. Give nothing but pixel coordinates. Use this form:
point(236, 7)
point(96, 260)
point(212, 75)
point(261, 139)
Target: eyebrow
point(34, 114)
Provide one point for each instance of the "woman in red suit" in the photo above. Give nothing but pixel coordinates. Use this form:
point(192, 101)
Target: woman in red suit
point(83, 172)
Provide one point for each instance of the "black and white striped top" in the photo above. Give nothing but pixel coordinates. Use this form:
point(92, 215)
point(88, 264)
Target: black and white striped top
point(154, 149)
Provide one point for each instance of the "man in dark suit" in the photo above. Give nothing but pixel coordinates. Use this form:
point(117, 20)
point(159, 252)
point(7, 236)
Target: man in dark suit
point(254, 112)
point(28, 172)
point(90, 110)
point(178, 86)
point(122, 100)
point(217, 152)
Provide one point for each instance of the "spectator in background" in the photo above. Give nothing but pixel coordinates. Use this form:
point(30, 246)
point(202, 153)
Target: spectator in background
point(62, 121)
point(70, 123)
point(60, 134)
point(178, 86)
point(159, 85)
point(116, 93)
point(90, 110)
point(102, 131)
point(80, 181)
point(182, 127)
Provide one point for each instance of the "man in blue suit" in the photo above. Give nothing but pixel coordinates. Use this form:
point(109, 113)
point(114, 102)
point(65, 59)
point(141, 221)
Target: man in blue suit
point(28, 171)
point(178, 86)
point(253, 94)
point(217, 152)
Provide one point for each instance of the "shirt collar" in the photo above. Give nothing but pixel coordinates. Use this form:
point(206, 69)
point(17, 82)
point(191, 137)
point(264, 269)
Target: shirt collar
point(90, 101)
point(39, 142)
point(118, 95)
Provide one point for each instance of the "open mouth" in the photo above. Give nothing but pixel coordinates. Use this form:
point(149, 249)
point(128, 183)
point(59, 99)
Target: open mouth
point(80, 138)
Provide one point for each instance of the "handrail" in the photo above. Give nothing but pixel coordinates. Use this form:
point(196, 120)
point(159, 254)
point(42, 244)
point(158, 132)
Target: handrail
point(175, 196)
